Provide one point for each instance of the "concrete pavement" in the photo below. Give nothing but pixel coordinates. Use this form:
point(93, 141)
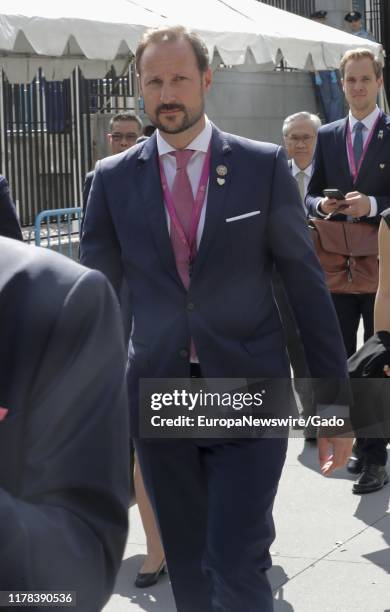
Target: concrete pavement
point(331, 553)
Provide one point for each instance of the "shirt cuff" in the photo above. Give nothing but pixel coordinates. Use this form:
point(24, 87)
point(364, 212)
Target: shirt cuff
point(374, 207)
point(319, 212)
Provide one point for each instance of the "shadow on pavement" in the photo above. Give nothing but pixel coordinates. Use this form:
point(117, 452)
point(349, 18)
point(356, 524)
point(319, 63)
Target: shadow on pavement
point(159, 597)
point(378, 501)
point(278, 578)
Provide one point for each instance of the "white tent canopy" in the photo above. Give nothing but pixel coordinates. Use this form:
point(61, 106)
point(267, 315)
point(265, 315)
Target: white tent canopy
point(59, 36)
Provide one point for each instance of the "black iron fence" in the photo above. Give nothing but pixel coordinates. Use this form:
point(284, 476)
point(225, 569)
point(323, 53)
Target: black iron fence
point(300, 7)
point(377, 21)
point(47, 136)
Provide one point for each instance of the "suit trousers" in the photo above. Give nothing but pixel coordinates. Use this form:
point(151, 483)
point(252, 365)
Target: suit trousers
point(213, 500)
point(349, 308)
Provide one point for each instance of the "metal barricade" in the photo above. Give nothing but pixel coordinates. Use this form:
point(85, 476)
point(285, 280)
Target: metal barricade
point(59, 230)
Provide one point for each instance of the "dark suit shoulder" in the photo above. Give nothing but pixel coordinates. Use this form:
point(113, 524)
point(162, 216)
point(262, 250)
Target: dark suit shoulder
point(332, 127)
point(9, 224)
point(46, 273)
point(248, 145)
point(120, 160)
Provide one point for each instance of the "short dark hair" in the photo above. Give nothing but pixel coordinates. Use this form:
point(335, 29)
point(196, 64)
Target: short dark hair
point(173, 34)
point(126, 116)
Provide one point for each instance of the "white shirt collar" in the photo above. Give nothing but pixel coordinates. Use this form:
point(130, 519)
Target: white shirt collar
point(200, 143)
point(295, 169)
point(368, 121)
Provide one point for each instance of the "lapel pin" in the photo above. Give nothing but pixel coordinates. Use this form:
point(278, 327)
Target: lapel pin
point(221, 171)
point(381, 166)
point(220, 181)
point(380, 134)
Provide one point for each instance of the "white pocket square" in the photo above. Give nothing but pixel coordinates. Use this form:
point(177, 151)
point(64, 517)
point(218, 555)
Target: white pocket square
point(239, 217)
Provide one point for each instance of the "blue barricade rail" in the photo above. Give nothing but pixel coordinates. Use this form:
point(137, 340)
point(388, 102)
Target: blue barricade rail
point(58, 229)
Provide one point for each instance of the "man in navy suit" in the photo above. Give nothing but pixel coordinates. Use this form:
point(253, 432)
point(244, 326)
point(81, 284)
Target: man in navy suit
point(9, 224)
point(64, 446)
point(210, 313)
point(366, 185)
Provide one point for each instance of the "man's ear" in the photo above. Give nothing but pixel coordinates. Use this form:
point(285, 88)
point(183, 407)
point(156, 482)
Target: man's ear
point(207, 79)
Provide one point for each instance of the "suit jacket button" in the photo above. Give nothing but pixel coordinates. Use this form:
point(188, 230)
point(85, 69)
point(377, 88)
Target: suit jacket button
point(190, 306)
point(184, 353)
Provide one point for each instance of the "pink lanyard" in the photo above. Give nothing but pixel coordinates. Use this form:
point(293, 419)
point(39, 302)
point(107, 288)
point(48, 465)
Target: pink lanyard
point(189, 243)
point(351, 157)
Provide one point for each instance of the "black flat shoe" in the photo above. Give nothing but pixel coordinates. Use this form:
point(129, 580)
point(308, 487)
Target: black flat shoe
point(145, 580)
point(373, 478)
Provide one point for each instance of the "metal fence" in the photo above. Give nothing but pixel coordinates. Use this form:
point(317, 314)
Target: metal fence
point(377, 21)
point(58, 230)
point(47, 136)
point(300, 7)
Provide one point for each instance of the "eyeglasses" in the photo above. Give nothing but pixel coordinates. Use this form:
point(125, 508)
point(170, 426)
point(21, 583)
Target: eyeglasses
point(130, 137)
point(295, 139)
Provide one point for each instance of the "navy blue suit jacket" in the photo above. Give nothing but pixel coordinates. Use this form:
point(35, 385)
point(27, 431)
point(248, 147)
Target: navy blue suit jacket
point(229, 309)
point(9, 224)
point(64, 449)
point(331, 167)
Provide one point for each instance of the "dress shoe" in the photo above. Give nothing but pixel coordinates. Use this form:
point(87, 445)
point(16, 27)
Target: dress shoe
point(373, 478)
point(145, 580)
point(355, 464)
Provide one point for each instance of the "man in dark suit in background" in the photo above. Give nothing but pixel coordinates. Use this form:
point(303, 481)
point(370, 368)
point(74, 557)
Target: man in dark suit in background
point(299, 135)
point(203, 306)
point(9, 224)
point(352, 155)
point(64, 439)
point(125, 128)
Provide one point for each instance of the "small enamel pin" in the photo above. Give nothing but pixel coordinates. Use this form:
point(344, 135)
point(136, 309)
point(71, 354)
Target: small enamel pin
point(381, 166)
point(221, 170)
point(380, 134)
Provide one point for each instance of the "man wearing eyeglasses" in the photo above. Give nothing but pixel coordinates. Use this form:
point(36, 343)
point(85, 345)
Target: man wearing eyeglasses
point(125, 128)
point(300, 135)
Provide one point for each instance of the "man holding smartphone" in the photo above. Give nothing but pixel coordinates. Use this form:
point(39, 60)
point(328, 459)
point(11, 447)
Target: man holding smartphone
point(352, 156)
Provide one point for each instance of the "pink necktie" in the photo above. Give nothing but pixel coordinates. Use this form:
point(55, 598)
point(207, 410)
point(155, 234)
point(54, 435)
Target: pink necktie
point(183, 201)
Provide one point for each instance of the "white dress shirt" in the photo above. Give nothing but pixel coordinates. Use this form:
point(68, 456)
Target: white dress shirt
point(368, 123)
point(200, 145)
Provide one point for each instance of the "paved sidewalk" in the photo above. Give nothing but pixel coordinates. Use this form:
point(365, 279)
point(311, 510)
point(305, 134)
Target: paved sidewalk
point(332, 551)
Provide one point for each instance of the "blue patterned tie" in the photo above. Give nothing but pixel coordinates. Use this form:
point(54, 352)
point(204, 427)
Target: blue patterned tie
point(358, 142)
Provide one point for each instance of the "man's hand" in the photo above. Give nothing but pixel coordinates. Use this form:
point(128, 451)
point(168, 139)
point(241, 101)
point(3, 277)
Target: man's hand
point(386, 370)
point(359, 205)
point(330, 205)
point(333, 453)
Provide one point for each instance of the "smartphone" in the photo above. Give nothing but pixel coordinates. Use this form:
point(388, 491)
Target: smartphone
point(333, 194)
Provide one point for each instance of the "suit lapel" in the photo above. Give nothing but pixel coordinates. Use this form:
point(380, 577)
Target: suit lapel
point(341, 149)
point(149, 184)
point(217, 191)
point(379, 139)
